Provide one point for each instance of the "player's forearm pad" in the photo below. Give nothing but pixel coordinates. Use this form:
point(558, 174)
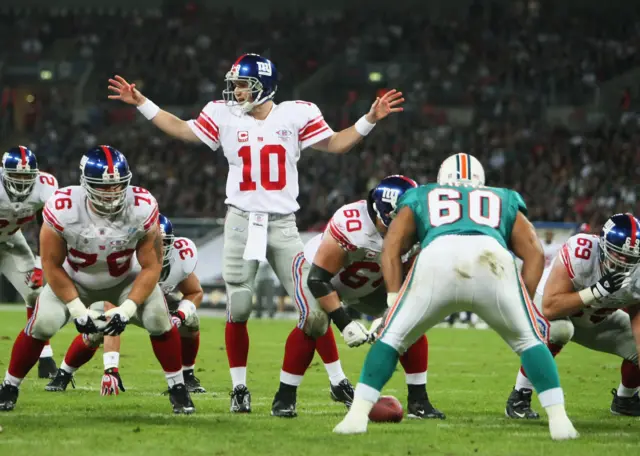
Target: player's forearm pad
point(319, 282)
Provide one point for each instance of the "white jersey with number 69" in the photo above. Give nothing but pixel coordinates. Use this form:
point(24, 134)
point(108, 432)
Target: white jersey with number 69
point(262, 155)
point(580, 256)
point(100, 249)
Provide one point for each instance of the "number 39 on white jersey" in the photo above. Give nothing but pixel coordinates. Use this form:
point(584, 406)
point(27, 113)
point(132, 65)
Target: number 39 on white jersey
point(100, 249)
point(262, 155)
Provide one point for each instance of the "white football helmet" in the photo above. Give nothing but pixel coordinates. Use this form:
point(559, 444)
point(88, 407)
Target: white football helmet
point(461, 169)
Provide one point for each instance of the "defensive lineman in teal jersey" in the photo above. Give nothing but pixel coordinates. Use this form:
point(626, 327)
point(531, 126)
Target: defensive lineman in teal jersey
point(466, 231)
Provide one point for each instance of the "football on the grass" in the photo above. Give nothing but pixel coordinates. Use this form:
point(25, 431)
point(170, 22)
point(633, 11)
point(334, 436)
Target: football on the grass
point(387, 409)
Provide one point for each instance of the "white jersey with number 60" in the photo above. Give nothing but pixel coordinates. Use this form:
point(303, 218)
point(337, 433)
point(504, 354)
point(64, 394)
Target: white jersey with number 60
point(262, 155)
point(100, 249)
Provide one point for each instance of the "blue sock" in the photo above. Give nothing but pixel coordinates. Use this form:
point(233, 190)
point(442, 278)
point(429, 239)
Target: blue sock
point(540, 367)
point(379, 365)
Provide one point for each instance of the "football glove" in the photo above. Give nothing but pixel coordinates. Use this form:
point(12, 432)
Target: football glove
point(609, 284)
point(355, 334)
point(177, 318)
point(85, 320)
point(34, 279)
point(118, 317)
point(111, 383)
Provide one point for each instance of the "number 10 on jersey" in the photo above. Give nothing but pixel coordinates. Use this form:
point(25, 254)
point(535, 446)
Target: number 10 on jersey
point(267, 181)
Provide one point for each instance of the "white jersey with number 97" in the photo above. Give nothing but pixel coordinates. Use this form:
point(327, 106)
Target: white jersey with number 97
point(262, 155)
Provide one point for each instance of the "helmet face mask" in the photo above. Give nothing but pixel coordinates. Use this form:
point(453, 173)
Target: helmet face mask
point(250, 82)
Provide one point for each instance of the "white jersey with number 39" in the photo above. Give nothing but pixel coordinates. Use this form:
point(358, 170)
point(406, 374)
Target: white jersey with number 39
point(580, 256)
point(262, 155)
point(355, 232)
point(100, 249)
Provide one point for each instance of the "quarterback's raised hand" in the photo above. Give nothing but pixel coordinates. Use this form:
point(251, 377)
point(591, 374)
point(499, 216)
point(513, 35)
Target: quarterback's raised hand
point(125, 92)
point(383, 106)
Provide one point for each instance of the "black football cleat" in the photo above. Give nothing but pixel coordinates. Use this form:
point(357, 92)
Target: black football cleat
point(192, 382)
point(180, 400)
point(8, 397)
point(60, 382)
point(284, 405)
point(519, 405)
point(240, 400)
point(343, 392)
point(421, 408)
point(47, 367)
point(625, 406)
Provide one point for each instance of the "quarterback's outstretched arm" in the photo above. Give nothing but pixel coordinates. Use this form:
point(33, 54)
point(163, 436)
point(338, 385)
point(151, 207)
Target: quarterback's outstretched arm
point(526, 245)
point(149, 254)
point(54, 252)
point(165, 121)
point(343, 141)
point(399, 239)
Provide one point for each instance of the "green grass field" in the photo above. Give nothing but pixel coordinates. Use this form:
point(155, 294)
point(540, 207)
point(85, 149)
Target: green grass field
point(470, 375)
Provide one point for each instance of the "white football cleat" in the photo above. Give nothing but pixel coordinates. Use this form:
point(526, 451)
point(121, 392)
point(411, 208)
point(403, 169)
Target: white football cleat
point(562, 429)
point(352, 424)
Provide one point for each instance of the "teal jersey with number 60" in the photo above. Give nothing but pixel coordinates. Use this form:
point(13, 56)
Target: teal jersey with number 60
point(441, 210)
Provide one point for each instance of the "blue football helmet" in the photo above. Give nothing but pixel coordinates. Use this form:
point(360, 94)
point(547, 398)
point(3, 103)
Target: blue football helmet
point(384, 197)
point(166, 228)
point(250, 75)
point(105, 177)
point(620, 243)
point(20, 172)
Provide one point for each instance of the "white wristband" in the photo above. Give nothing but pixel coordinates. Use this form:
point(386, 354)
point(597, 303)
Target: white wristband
point(149, 109)
point(391, 299)
point(129, 308)
point(76, 308)
point(187, 308)
point(587, 297)
point(363, 126)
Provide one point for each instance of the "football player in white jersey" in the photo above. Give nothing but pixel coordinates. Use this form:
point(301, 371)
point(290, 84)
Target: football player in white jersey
point(262, 142)
point(343, 264)
point(582, 295)
point(88, 241)
point(179, 261)
point(23, 193)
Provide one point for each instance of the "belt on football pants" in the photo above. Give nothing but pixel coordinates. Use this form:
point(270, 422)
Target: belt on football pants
point(245, 214)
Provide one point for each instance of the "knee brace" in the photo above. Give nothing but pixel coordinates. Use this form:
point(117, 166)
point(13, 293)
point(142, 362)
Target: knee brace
point(561, 332)
point(239, 302)
point(315, 324)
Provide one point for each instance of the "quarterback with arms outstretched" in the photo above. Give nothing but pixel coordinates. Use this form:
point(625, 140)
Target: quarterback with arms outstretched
point(23, 194)
point(178, 263)
point(343, 264)
point(465, 230)
point(582, 295)
point(88, 241)
point(262, 142)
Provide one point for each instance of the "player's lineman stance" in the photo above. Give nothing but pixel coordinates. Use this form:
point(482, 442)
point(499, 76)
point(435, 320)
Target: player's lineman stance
point(582, 294)
point(262, 142)
point(343, 264)
point(465, 230)
point(178, 263)
point(88, 242)
point(23, 193)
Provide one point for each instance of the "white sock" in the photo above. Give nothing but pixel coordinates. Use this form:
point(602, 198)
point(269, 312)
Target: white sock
point(290, 379)
point(68, 369)
point(360, 408)
point(238, 376)
point(623, 391)
point(111, 360)
point(174, 378)
point(367, 393)
point(523, 382)
point(417, 379)
point(188, 368)
point(11, 380)
point(551, 397)
point(47, 352)
point(336, 374)
point(556, 412)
